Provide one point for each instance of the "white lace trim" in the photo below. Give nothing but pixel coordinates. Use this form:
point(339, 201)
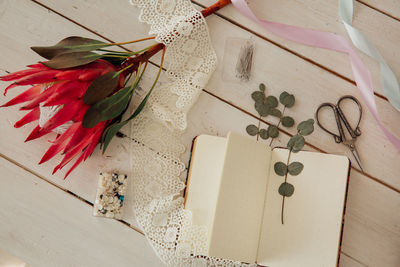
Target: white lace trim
point(156, 166)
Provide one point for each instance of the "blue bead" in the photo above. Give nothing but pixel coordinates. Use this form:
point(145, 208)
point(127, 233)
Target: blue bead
point(121, 198)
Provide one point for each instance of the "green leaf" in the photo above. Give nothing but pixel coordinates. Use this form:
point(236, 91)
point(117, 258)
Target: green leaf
point(258, 96)
point(112, 106)
point(272, 101)
point(286, 189)
point(275, 112)
point(110, 132)
point(91, 118)
point(264, 134)
point(296, 143)
point(273, 131)
point(287, 99)
point(282, 96)
point(295, 168)
point(69, 44)
point(280, 168)
point(306, 127)
point(262, 87)
point(70, 60)
point(252, 130)
point(262, 108)
point(287, 121)
point(100, 88)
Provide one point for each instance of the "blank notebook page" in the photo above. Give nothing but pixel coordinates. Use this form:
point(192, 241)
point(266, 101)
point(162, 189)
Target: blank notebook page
point(310, 235)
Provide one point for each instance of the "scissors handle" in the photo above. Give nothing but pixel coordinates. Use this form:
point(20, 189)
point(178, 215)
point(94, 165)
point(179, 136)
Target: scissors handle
point(338, 138)
point(356, 132)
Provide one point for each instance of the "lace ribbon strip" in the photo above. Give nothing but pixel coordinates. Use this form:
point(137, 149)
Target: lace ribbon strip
point(156, 165)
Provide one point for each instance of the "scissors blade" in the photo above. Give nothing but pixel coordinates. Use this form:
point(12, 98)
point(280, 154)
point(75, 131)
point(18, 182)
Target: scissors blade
point(356, 156)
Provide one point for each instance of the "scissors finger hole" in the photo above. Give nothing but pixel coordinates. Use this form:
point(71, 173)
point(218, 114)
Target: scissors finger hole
point(352, 111)
point(325, 117)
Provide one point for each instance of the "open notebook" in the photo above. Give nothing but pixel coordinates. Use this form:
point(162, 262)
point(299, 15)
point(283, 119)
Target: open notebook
point(232, 189)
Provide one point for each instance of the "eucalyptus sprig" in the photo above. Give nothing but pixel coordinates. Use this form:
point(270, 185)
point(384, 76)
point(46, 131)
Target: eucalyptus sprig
point(268, 105)
point(295, 144)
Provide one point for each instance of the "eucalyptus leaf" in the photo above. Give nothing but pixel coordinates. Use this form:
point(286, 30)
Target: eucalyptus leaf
point(295, 168)
point(273, 131)
point(70, 60)
point(287, 99)
point(69, 44)
point(252, 129)
point(282, 96)
point(262, 87)
point(100, 88)
point(306, 127)
point(287, 121)
point(275, 112)
point(264, 134)
point(262, 108)
point(272, 101)
point(280, 168)
point(296, 143)
point(258, 96)
point(286, 189)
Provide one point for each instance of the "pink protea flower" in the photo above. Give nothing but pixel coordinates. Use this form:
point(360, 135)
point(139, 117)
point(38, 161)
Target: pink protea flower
point(64, 88)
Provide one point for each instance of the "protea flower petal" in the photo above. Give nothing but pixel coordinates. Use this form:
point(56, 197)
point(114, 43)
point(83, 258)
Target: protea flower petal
point(79, 134)
point(77, 162)
point(41, 97)
point(64, 88)
point(19, 74)
point(25, 96)
point(59, 143)
point(65, 114)
point(33, 115)
point(45, 76)
point(67, 92)
point(35, 134)
point(74, 152)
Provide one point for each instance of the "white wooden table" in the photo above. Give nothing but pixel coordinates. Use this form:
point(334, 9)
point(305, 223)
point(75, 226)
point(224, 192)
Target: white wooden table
point(46, 221)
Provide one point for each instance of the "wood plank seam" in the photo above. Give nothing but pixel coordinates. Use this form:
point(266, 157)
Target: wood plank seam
point(378, 10)
point(227, 102)
point(354, 259)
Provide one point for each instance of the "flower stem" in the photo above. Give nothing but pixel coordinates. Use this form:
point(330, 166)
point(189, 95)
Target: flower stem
point(283, 197)
point(259, 126)
point(279, 123)
point(134, 41)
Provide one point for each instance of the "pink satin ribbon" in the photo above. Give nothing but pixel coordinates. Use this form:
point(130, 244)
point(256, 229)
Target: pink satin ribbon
point(329, 41)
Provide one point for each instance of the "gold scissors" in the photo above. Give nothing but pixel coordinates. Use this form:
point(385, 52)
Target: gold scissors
point(340, 118)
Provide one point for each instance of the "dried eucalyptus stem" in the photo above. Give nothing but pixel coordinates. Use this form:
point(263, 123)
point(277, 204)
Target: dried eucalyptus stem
point(295, 144)
point(283, 197)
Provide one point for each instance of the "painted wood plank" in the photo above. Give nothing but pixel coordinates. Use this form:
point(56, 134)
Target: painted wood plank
point(280, 70)
point(346, 261)
point(44, 226)
point(390, 7)
point(382, 30)
point(218, 126)
point(37, 26)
